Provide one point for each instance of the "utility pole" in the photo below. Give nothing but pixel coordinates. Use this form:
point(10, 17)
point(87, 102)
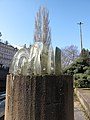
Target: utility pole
point(81, 45)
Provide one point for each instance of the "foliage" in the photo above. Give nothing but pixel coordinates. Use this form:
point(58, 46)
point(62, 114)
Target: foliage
point(80, 69)
point(82, 83)
point(84, 53)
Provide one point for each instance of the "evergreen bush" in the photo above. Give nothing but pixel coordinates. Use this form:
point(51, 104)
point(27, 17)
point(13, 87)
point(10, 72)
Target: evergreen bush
point(80, 69)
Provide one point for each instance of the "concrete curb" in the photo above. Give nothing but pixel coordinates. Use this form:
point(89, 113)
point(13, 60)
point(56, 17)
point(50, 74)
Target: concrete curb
point(83, 101)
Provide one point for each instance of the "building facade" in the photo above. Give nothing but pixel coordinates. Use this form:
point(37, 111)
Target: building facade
point(6, 54)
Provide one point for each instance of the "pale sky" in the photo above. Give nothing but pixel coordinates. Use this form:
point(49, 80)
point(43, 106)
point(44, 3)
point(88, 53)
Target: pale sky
point(17, 21)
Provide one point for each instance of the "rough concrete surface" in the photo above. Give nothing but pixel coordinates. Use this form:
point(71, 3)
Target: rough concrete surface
point(46, 97)
point(79, 112)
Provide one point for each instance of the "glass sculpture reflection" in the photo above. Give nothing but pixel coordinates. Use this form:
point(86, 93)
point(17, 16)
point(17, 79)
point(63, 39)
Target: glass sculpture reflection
point(35, 60)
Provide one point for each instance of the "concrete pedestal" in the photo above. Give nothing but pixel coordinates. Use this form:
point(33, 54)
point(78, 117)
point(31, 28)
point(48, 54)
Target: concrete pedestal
point(48, 97)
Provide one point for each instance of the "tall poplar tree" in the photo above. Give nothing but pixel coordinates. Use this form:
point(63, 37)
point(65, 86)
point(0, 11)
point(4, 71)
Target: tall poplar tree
point(42, 31)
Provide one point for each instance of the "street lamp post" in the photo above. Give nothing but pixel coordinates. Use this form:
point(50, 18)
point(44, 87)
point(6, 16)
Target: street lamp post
point(81, 45)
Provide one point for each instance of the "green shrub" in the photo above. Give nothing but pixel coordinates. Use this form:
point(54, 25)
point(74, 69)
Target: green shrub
point(87, 72)
point(76, 84)
point(85, 68)
point(84, 76)
point(84, 83)
point(75, 71)
point(81, 72)
point(88, 77)
point(78, 76)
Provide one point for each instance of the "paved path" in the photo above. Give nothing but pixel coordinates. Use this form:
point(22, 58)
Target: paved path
point(79, 112)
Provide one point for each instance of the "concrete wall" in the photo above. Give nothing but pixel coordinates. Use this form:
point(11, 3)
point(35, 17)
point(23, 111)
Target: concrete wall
point(39, 98)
